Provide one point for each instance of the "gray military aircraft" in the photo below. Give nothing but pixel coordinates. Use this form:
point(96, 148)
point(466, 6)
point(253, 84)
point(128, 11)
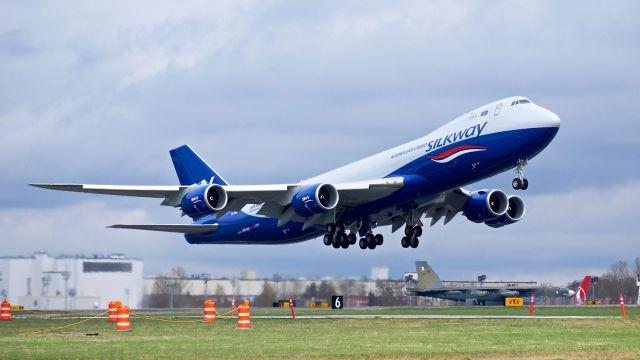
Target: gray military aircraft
point(479, 292)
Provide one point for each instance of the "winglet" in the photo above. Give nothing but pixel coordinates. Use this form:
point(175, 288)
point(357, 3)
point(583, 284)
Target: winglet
point(191, 169)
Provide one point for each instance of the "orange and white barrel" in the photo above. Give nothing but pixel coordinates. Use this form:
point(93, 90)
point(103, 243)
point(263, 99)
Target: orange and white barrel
point(209, 311)
point(113, 310)
point(244, 317)
point(122, 323)
point(5, 310)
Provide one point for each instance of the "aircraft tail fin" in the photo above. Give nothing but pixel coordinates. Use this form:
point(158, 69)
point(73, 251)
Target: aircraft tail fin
point(581, 293)
point(191, 169)
point(427, 278)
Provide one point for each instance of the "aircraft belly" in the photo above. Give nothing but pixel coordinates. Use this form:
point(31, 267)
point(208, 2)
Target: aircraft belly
point(241, 228)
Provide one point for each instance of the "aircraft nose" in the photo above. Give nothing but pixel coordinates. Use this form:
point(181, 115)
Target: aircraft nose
point(550, 119)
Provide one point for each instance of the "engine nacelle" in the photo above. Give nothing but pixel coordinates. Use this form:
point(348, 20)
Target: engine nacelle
point(485, 205)
point(204, 199)
point(514, 213)
point(314, 199)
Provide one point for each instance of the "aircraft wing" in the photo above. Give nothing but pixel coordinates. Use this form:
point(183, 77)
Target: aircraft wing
point(122, 190)
point(446, 205)
point(276, 199)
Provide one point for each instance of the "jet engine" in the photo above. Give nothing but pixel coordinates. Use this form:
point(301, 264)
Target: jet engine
point(204, 199)
point(485, 205)
point(514, 213)
point(314, 199)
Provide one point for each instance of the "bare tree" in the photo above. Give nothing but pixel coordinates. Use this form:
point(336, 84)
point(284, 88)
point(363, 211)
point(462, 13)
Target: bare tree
point(267, 297)
point(618, 279)
point(167, 290)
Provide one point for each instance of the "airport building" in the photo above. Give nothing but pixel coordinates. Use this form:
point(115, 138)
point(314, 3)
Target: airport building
point(71, 282)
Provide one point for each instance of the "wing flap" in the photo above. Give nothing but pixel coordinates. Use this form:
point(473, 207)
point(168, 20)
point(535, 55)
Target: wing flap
point(174, 228)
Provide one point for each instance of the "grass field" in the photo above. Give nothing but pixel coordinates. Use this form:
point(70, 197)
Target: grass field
point(607, 337)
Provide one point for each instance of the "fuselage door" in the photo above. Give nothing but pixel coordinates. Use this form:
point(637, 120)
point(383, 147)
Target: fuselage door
point(497, 111)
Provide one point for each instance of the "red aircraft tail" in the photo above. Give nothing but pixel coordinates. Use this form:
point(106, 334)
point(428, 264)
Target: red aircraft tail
point(581, 293)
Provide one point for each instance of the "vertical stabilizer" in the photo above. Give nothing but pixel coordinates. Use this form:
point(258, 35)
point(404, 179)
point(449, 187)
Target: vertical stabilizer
point(191, 169)
point(581, 293)
point(427, 278)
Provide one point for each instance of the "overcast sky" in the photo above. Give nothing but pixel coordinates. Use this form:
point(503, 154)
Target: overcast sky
point(274, 91)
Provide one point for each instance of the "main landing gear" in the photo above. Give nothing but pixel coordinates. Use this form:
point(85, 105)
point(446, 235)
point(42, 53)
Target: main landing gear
point(370, 241)
point(520, 183)
point(411, 238)
point(336, 237)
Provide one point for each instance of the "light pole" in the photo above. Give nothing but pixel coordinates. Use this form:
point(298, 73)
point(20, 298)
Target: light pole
point(65, 276)
point(205, 277)
point(594, 281)
point(172, 282)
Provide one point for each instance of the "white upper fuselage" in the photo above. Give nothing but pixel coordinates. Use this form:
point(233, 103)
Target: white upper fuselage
point(500, 116)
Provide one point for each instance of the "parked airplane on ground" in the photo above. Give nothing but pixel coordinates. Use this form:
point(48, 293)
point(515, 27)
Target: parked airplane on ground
point(580, 295)
point(396, 187)
point(481, 292)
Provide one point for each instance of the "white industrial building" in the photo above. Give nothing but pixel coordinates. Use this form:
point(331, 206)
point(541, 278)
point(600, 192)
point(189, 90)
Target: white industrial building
point(41, 281)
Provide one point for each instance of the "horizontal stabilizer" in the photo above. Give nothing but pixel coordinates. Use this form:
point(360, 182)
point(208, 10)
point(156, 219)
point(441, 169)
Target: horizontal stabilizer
point(174, 228)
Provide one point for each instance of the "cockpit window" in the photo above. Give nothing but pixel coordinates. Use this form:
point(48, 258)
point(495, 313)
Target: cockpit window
point(522, 101)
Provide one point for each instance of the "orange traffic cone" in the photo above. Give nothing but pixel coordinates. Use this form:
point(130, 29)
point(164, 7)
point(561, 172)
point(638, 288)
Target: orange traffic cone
point(5, 310)
point(113, 310)
point(209, 311)
point(123, 319)
point(244, 318)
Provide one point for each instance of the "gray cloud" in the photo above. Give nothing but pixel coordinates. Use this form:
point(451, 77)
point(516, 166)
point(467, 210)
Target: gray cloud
point(276, 91)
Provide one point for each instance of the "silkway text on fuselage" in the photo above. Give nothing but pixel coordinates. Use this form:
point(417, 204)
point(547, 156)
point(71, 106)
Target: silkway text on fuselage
point(472, 131)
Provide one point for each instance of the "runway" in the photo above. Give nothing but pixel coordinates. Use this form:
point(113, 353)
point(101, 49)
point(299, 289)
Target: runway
point(452, 317)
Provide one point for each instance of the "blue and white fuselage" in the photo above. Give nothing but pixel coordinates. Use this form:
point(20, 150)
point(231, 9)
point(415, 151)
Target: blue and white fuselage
point(501, 137)
point(421, 178)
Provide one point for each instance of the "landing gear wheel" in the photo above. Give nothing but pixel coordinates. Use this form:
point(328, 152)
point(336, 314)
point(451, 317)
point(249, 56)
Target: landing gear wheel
point(417, 231)
point(516, 184)
point(525, 184)
point(331, 228)
point(408, 231)
point(372, 245)
point(345, 244)
point(404, 242)
point(336, 239)
point(352, 239)
point(340, 228)
point(335, 245)
point(378, 239)
point(415, 242)
point(363, 243)
point(370, 239)
point(327, 239)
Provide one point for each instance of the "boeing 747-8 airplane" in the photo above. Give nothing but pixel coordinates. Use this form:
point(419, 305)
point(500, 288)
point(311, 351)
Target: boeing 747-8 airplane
point(397, 187)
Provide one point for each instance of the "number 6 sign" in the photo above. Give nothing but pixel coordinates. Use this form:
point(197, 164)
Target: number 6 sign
point(336, 302)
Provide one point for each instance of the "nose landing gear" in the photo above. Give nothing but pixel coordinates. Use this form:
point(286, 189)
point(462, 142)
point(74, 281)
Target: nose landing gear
point(520, 183)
